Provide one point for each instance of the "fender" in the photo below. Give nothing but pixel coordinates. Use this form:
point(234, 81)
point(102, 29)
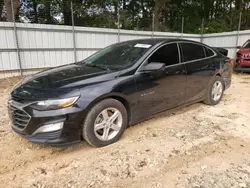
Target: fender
point(120, 97)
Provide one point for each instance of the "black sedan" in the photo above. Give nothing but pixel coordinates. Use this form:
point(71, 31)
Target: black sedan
point(98, 98)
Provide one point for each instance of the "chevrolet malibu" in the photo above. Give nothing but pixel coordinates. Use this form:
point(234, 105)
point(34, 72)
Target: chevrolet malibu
point(96, 99)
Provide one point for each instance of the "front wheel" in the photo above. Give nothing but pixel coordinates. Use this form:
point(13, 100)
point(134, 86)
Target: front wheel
point(215, 91)
point(105, 123)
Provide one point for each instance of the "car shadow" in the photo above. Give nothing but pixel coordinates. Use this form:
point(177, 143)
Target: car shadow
point(170, 112)
point(84, 146)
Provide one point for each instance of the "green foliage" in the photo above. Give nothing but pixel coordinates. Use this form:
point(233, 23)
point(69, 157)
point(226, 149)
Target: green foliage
point(164, 15)
point(216, 26)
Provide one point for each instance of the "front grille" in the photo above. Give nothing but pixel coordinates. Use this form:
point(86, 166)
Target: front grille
point(19, 99)
point(246, 56)
point(15, 98)
point(19, 118)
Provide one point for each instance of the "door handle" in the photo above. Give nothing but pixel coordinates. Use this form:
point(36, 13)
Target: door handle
point(177, 72)
point(180, 72)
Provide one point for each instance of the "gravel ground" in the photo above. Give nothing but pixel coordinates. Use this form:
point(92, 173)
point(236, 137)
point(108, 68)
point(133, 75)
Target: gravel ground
point(197, 146)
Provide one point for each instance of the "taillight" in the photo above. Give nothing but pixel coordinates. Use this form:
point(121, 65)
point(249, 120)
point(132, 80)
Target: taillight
point(231, 61)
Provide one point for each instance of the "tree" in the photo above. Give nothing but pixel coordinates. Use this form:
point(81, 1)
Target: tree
point(219, 15)
point(160, 5)
point(238, 4)
point(1, 8)
point(66, 7)
point(35, 3)
point(8, 6)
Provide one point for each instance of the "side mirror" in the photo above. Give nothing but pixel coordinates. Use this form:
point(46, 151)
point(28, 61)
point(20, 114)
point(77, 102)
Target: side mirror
point(239, 47)
point(153, 66)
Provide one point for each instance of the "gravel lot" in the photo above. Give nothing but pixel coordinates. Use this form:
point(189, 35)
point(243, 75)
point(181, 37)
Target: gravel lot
point(197, 146)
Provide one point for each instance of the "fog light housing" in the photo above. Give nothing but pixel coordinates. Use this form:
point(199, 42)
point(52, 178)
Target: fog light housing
point(49, 128)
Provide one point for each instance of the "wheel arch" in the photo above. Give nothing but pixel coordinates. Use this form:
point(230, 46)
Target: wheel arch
point(219, 74)
point(117, 96)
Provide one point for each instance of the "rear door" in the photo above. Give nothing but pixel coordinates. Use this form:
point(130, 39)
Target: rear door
point(200, 67)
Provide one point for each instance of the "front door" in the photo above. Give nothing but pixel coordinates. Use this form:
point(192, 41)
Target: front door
point(163, 89)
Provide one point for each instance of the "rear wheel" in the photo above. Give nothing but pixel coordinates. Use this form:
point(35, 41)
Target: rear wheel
point(105, 123)
point(215, 91)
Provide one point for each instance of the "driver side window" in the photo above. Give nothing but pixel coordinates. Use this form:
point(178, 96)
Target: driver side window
point(167, 54)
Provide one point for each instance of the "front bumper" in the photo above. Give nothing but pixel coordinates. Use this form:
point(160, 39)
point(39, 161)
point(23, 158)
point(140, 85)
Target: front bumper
point(242, 65)
point(241, 69)
point(70, 133)
point(51, 138)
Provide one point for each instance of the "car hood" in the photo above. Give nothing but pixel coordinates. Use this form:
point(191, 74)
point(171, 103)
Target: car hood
point(68, 77)
point(244, 50)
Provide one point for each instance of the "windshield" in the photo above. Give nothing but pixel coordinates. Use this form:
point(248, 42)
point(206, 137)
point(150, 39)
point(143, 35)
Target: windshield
point(247, 45)
point(118, 56)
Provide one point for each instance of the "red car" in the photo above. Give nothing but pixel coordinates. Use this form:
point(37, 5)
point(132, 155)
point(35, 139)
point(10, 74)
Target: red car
point(243, 58)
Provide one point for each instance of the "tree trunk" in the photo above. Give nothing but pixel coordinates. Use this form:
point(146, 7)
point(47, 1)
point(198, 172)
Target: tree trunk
point(48, 12)
point(158, 8)
point(124, 4)
point(238, 4)
point(172, 20)
point(8, 7)
point(231, 14)
point(216, 9)
point(67, 12)
point(206, 9)
point(35, 12)
point(144, 12)
point(157, 13)
point(212, 10)
point(1, 8)
point(115, 4)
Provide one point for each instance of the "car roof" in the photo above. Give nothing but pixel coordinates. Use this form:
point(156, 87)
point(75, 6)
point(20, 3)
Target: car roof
point(154, 41)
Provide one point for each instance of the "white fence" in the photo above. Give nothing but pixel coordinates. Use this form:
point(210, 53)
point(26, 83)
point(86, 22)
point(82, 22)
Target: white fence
point(37, 46)
point(228, 40)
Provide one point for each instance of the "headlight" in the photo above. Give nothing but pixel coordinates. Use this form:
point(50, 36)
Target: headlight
point(54, 104)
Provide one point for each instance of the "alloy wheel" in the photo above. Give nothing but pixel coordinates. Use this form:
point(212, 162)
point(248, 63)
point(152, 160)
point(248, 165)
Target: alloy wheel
point(217, 90)
point(108, 124)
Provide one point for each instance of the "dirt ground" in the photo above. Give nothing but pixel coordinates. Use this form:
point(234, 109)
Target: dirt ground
point(198, 146)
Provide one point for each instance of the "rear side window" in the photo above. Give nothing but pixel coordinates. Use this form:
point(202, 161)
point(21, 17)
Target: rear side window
point(192, 51)
point(208, 52)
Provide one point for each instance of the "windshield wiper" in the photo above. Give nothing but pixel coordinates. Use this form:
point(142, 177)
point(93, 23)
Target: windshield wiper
point(98, 66)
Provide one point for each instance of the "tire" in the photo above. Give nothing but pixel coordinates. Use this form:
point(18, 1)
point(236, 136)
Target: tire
point(210, 98)
point(97, 127)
